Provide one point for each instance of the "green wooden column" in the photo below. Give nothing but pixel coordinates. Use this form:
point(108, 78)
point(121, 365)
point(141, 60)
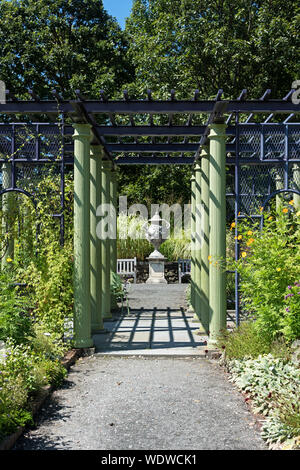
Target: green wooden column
point(205, 238)
point(197, 246)
point(113, 241)
point(193, 206)
point(82, 304)
point(105, 245)
point(296, 184)
point(217, 235)
point(8, 216)
point(95, 244)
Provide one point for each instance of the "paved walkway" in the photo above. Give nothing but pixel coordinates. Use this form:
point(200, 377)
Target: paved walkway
point(114, 401)
point(155, 324)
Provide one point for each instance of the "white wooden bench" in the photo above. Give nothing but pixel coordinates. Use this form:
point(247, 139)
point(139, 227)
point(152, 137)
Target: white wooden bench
point(127, 268)
point(184, 268)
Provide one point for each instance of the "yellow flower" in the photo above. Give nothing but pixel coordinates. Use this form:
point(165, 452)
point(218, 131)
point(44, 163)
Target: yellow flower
point(232, 225)
point(239, 237)
point(249, 232)
point(239, 213)
point(251, 240)
point(9, 260)
point(285, 210)
point(209, 257)
point(270, 218)
point(261, 209)
point(291, 202)
point(278, 269)
point(244, 254)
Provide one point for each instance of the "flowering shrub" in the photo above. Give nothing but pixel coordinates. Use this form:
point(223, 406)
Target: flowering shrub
point(269, 262)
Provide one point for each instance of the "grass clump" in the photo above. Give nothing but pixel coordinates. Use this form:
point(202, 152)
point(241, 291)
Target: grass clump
point(245, 341)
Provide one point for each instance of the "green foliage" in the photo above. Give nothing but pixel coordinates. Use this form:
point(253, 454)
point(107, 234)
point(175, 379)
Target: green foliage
point(246, 341)
point(243, 341)
point(117, 287)
point(269, 263)
point(155, 184)
point(174, 248)
point(131, 240)
point(136, 245)
point(49, 277)
point(61, 44)
point(192, 44)
point(291, 312)
point(273, 386)
point(24, 371)
point(47, 345)
point(54, 372)
point(9, 422)
point(15, 319)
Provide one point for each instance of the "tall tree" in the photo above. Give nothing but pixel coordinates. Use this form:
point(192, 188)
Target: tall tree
point(208, 45)
point(66, 44)
point(212, 44)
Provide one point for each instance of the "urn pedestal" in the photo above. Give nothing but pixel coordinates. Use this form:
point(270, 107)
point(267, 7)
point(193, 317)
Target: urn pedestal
point(156, 233)
point(156, 268)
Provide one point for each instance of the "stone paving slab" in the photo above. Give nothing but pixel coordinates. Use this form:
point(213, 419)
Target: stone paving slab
point(156, 324)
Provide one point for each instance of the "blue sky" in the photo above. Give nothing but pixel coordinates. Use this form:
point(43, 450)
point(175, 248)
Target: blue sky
point(120, 9)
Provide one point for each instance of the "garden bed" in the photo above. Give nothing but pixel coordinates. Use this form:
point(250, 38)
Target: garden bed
point(67, 361)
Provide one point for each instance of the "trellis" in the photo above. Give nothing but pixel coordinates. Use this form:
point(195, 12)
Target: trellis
point(262, 155)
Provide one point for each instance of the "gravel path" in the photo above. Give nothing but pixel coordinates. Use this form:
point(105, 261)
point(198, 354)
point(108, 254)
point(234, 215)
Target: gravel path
point(116, 403)
point(145, 403)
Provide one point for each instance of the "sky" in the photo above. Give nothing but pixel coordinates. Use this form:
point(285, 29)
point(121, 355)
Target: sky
point(120, 9)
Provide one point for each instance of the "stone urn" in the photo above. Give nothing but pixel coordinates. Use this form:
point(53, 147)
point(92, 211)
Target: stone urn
point(156, 233)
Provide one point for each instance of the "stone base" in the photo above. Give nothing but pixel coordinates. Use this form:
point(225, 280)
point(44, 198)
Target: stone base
point(99, 331)
point(85, 352)
point(156, 281)
point(156, 270)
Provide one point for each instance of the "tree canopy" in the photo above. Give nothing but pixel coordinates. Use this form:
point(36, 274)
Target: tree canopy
point(167, 44)
point(61, 44)
point(212, 44)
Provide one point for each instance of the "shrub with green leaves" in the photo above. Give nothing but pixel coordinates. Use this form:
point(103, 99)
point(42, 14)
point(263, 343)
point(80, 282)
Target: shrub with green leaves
point(269, 262)
point(117, 287)
point(24, 371)
point(50, 281)
point(290, 319)
point(15, 319)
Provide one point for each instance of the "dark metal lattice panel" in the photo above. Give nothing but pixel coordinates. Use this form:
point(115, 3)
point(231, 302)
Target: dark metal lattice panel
point(294, 142)
point(6, 133)
point(249, 141)
point(257, 182)
point(50, 142)
point(274, 141)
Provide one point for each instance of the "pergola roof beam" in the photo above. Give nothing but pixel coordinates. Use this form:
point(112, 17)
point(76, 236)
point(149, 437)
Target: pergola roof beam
point(155, 161)
point(149, 107)
point(218, 111)
point(89, 119)
point(158, 148)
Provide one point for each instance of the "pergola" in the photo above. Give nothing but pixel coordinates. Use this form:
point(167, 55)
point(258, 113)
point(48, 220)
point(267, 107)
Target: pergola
point(99, 135)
